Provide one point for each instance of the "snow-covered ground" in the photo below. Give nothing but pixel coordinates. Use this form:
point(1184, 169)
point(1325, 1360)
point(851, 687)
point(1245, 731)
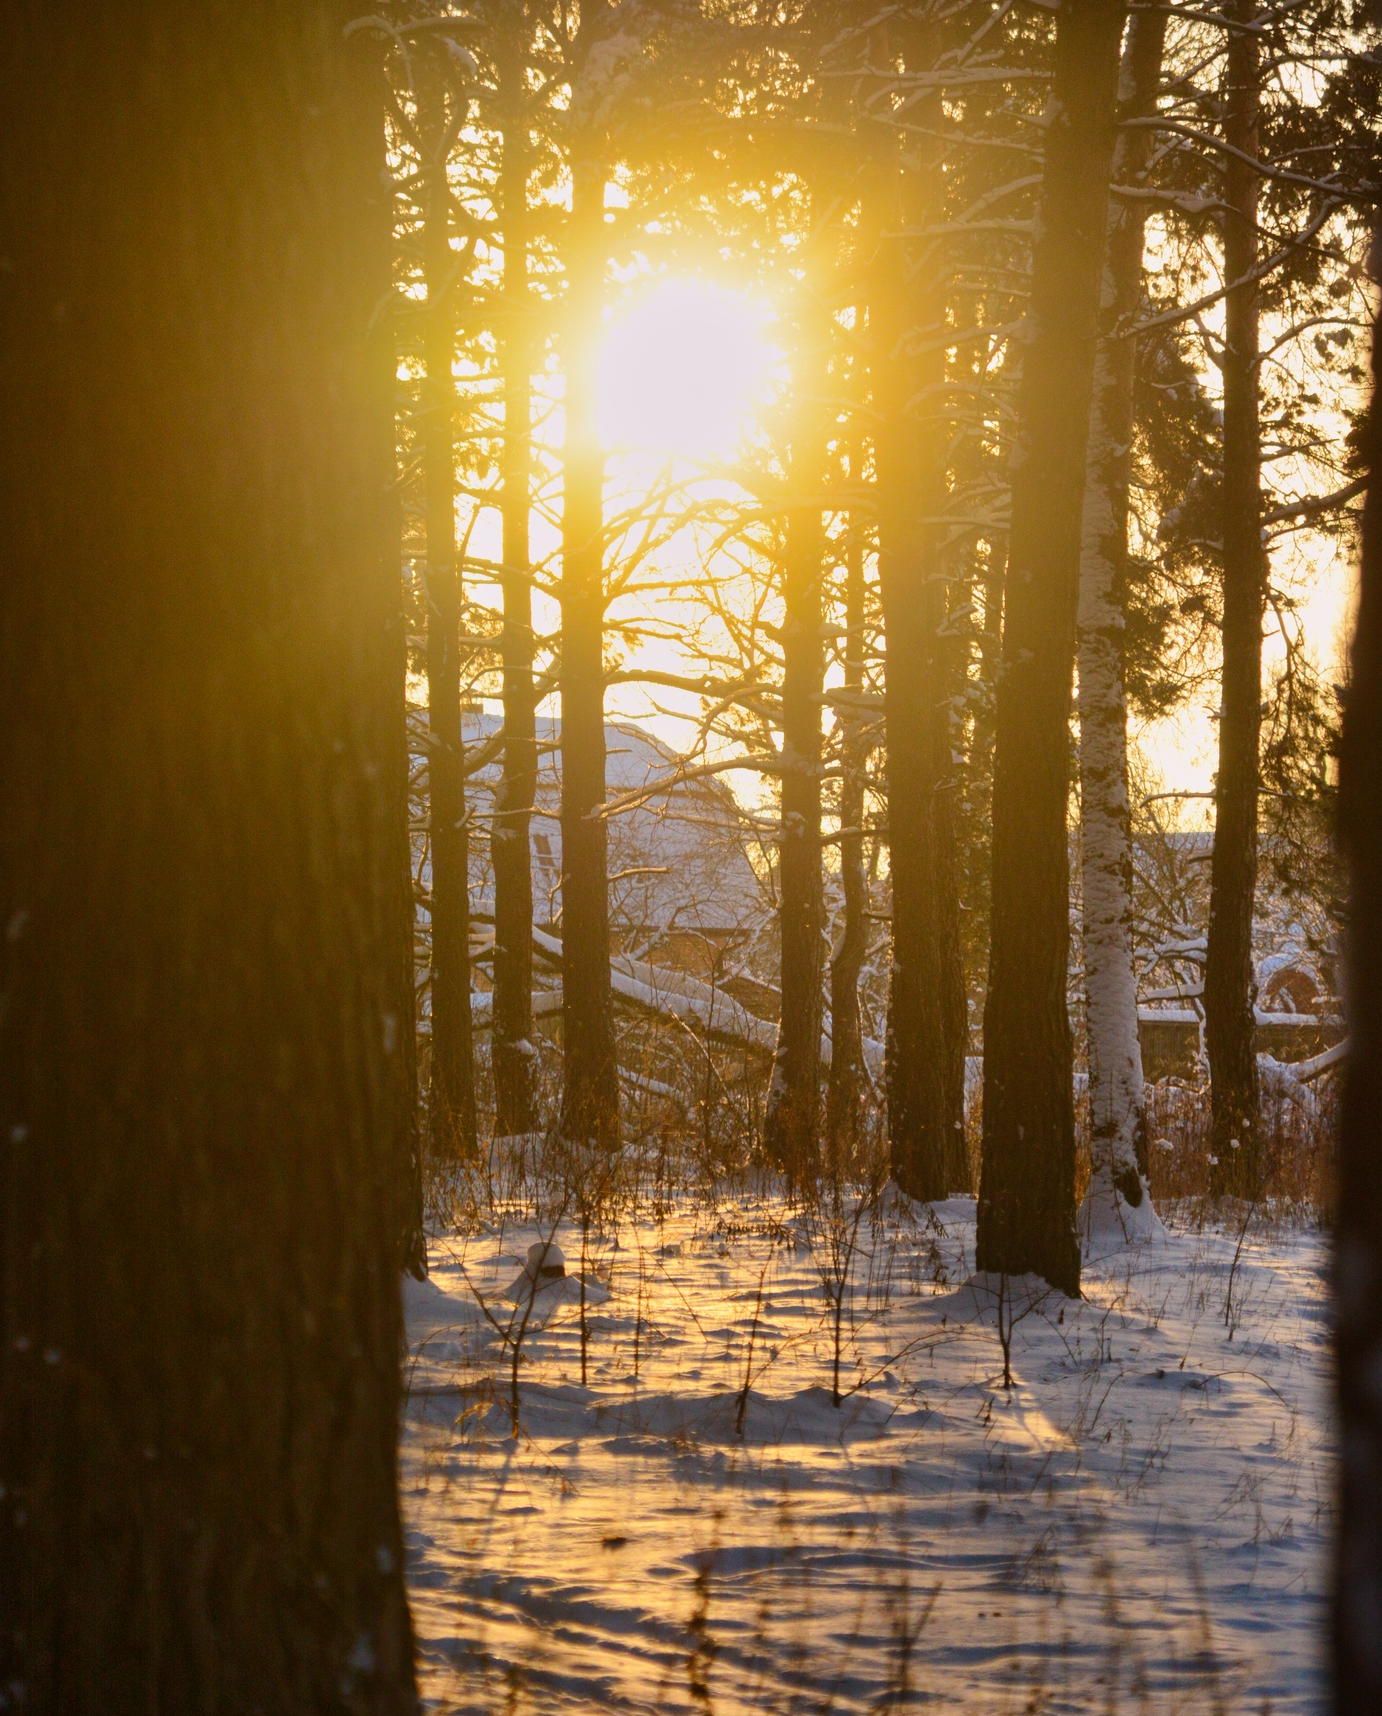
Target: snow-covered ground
point(1138, 1522)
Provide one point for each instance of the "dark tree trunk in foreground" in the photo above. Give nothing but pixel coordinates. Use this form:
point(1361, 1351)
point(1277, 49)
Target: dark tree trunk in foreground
point(453, 1059)
point(1118, 1188)
point(509, 836)
point(201, 1059)
point(845, 1089)
point(1229, 991)
point(1027, 1194)
point(590, 1096)
point(792, 1123)
point(1357, 1619)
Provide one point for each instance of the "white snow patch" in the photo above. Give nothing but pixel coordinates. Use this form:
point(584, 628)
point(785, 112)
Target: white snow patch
point(1139, 1521)
point(1107, 1220)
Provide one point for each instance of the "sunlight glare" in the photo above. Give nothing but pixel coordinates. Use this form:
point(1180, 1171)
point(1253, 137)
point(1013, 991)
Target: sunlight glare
point(681, 369)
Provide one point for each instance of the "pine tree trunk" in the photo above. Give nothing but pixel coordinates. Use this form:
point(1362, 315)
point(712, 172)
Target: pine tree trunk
point(1027, 1194)
point(925, 1095)
point(954, 995)
point(844, 1090)
point(1118, 1196)
point(1229, 990)
point(412, 1233)
point(590, 1096)
point(453, 1132)
point(202, 1063)
point(792, 1123)
point(509, 836)
point(1357, 1617)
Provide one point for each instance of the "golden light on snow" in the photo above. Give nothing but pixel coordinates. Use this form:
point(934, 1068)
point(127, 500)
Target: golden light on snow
point(681, 369)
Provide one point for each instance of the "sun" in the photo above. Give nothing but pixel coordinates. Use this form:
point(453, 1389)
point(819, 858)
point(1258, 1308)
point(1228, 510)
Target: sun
point(681, 369)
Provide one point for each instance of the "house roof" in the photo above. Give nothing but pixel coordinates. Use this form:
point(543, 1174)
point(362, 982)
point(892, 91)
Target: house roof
point(678, 858)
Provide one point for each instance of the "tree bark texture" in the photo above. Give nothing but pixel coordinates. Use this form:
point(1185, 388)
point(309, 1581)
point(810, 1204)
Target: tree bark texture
point(509, 835)
point(412, 1232)
point(206, 939)
point(954, 992)
point(925, 1097)
point(845, 1087)
point(1357, 1611)
point(453, 1130)
point(1229, 990)
point(792, 1122)
point(1027, 1193)
point(1118, 1194)
point(590, 1095)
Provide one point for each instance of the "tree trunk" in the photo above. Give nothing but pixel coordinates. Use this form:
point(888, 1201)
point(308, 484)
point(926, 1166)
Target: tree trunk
point(1357, 1618)
point(992, 583)
point(590, 1096)
point(1027, 1194)
point(202, 1064)
point(1229, 991)
point(509, 837)
point(412, 1233)
point(925, 1095)
point(844, 1091)
point(453, 1132)
point(954, 995)
point(1118, 1197)
point(791, 1125)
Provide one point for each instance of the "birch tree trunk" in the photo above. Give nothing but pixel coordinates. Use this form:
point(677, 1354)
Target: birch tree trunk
point(1229, 990)
point(844, 1091)
point(202, 811)
point(1357, 1605)
point(1027, 1192)
point(792, 1123)
point(453, 1132)
point(513, 1054)
point(590, 1094)
point(1118, 1201)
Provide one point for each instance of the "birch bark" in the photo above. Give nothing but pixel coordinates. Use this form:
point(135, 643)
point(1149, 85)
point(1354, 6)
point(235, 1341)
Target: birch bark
point(1118, 1202)
point(1229, 992)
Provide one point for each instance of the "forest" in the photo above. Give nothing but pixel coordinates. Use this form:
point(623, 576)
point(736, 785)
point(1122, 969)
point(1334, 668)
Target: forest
point(690, 857)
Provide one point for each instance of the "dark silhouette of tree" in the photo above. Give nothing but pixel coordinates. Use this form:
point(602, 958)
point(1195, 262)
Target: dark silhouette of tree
point(442, 109)
point(590, 1092)
point(792, 1123)
point(509, 834)
point(205, 928)
point(1358, 1239)
point(1357, 1613)
point(1229, 989)
point(1027, 1192)
point(845, 1086)
point(907, 304)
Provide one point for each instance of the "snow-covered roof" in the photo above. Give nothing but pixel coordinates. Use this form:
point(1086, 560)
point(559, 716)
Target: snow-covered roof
point(677, 860)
